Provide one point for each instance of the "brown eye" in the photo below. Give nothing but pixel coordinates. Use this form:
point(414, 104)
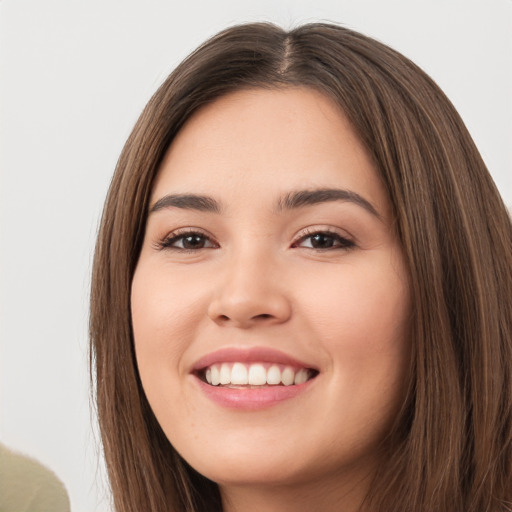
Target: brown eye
point(324, 241)
point(190, 241)
point(193, 241)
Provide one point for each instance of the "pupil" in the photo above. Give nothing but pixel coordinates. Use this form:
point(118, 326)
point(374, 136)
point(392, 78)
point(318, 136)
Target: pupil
point(193, 242)
point(320, 241)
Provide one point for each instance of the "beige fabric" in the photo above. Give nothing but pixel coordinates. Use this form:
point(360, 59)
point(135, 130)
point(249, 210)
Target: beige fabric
point(28, 486)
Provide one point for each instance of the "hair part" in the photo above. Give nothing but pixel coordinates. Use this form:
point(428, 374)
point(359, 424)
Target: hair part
point(451, 446)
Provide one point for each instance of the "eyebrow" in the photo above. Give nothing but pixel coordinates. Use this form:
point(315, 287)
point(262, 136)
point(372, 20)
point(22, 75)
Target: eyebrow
point(303, 198)
point(290, 201)
point(187, 202)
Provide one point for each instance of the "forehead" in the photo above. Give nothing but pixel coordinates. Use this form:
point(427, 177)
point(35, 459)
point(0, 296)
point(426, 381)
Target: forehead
point(259, 141)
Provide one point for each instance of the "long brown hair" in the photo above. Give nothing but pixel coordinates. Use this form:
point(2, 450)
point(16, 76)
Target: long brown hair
point(451, 447)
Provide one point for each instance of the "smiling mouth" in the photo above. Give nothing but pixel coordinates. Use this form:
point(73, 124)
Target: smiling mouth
point(254, 375)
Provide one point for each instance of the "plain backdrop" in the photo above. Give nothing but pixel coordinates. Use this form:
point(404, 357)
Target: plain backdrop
point(74, 75)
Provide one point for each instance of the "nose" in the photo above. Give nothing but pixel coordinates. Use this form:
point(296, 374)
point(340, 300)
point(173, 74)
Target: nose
point(249, 294)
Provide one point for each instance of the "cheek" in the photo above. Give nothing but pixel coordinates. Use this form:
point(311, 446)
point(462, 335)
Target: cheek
point(164, 319)
point(367, 303)
point(361, 314)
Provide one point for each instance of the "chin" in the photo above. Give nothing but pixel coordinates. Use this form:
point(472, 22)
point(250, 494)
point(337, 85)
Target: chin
point(251, 464)
point(255, 473)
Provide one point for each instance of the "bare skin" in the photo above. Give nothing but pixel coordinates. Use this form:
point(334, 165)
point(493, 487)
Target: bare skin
point(271, 233)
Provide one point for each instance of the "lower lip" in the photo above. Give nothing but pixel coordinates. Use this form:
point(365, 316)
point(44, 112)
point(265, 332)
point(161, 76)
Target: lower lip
point(252, 399)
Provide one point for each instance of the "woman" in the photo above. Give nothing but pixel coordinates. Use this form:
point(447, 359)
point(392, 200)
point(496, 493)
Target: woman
point(302, 297)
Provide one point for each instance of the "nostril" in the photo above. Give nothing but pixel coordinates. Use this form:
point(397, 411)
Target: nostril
point(262, 316)
point(244, 311)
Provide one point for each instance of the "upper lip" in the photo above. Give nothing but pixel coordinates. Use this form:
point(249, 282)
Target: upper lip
point(249, 355)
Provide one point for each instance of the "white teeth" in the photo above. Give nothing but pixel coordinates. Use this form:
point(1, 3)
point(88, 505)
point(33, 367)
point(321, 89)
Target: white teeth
point(288, 376)
point(274, 375)
point(215, 375)
point(301, 376)
point(225, 374)
point(257, 375)
point(240, 374)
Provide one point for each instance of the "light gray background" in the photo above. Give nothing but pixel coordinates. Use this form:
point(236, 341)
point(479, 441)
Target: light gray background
point(74, 77)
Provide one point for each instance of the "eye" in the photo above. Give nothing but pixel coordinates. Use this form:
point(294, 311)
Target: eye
point(324, 240)
point(187, 241)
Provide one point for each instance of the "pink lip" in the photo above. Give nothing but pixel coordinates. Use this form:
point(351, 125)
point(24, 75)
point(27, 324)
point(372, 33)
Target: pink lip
point(249, 355)
point(246, 398)
point(251, 399)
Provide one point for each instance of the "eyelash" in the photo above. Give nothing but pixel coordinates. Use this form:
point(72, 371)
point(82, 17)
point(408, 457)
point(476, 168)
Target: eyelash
point(169, 241)
point(341, 243)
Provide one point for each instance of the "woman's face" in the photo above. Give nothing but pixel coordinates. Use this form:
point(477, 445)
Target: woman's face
point(270, 302)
